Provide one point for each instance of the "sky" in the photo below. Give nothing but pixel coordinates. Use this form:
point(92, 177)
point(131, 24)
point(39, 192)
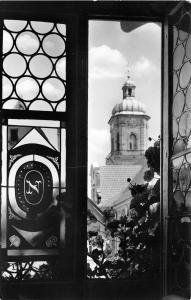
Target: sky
point(112, 52)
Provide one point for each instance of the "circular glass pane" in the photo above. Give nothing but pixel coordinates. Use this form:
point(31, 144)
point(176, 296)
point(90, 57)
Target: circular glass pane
point(53, 89)
point(40, 66)
point(14, 104)
point(188, 157)
point(188, 97)
point(185, 74)
point(188, 200)
point(175, 82)
point(17, 61)
point(27, 88)
point(188, 47)
point(182, 35)
point(178, 57)
point(27, 42)
point(184, 27)
point(184, 177)
point(174, 128)
point(177, 162)
point(179, 199)
point(175, 178)
point(61, 106)
point(175, 35)
point(185, 124)
point(7, 87)
point(61, 28)
point(179, 146)
point(15, 25)
point(7, 41)
point(53, 45)
point(178, 104)
point(61, 68)
point(42, 27)
point(40, 105)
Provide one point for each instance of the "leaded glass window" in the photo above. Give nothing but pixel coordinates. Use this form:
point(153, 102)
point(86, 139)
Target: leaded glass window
point(179, 243)
point(34, 65)
point(33, 176)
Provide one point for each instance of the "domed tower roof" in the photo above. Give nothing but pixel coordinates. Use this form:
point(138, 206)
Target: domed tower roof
point(129, 105)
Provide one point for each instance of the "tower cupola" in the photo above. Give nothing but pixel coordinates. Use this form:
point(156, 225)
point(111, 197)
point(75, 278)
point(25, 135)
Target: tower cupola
point(128, 127)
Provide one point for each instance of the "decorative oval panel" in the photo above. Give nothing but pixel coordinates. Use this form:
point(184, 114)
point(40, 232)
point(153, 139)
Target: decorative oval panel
point(33, 187)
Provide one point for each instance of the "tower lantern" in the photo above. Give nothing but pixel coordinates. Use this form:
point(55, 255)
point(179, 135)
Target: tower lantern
point(128, 88)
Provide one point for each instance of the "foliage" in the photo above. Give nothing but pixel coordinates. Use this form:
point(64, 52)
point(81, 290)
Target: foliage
point(32, 271)
point(152, 155)
point(135, 234)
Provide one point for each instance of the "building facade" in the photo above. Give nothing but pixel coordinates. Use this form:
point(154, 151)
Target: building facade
point(128, 128)
point(129, 136)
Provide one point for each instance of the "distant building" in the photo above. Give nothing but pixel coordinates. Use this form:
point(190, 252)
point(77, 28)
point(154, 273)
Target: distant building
point(129, 136)
point(98, 214)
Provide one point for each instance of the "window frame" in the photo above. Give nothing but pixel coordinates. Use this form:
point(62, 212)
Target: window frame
point(80, 13)
point(99, 286)
point(67, 117)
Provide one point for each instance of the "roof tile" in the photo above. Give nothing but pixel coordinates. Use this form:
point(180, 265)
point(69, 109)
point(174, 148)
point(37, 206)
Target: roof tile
point(113, 180)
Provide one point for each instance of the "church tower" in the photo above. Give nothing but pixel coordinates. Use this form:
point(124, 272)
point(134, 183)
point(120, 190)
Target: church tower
point(128, 128)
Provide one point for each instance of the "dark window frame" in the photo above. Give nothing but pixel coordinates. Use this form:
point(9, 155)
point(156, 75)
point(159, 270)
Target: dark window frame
point(77, 74)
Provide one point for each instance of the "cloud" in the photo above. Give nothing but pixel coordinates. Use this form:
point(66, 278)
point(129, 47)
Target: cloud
point(98, 141)
point(105, 62)
point(143, 66)
point(153, 28)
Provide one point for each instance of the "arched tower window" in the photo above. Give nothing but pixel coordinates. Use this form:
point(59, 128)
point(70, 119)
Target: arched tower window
point(118, 144)
point(133, 142)
point(112, 143)
point(130, 92)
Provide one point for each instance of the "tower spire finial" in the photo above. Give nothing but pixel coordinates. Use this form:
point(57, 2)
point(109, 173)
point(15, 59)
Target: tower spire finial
point(129, 86)
point(128, 73)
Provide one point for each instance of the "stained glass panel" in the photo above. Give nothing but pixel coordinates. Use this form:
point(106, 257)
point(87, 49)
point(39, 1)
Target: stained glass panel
point(32, 222)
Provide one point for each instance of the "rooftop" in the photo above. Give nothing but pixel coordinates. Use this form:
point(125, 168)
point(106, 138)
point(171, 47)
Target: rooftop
point(113, 180)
